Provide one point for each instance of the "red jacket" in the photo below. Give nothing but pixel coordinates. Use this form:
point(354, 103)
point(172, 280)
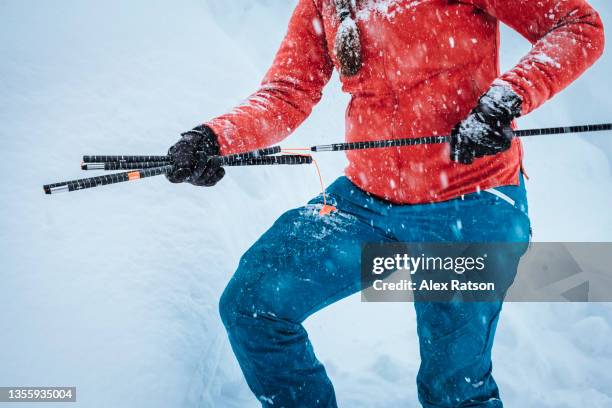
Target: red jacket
point(425, 64)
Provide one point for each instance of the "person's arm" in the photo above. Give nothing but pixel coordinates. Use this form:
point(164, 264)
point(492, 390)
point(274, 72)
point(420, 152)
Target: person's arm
point(288, 92)
point(567, 38)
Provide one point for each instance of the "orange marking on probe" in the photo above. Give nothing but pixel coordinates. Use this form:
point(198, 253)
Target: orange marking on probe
point(133, 175)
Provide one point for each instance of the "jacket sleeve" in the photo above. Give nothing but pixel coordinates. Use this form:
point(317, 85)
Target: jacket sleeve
point(567, 38)
point(288, 92)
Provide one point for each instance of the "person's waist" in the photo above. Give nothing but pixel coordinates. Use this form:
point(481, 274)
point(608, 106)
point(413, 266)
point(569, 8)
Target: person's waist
point(509, 193)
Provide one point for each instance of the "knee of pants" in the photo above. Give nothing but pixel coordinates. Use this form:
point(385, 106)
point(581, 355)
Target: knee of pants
point(230, 302)
point(248, 294)
point(227, 306)
point(254, 312)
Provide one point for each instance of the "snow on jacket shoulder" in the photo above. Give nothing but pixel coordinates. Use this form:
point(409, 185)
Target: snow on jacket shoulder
point(425, 63)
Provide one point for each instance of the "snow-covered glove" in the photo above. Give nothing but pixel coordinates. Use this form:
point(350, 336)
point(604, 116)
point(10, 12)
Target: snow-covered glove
point(188, 166)
point(486, 130)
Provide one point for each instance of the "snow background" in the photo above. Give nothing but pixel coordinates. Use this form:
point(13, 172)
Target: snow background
point(115, 290)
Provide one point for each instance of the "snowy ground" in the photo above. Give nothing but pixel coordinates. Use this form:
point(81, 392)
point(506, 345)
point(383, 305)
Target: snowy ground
point(115, 290)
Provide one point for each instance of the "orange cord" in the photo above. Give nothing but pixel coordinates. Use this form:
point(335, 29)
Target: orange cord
point(303, 149)
point(326, 209)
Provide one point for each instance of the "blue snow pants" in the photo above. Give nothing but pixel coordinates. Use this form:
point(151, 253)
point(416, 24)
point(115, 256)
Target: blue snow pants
point(305, 262)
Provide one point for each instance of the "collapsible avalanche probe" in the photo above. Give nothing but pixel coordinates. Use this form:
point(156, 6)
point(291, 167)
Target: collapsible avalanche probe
point(149, 166)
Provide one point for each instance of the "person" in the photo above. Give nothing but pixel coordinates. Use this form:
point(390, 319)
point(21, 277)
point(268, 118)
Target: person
point(412, 68)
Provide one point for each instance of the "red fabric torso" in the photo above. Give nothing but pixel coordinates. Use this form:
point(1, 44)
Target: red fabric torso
point(425, 64)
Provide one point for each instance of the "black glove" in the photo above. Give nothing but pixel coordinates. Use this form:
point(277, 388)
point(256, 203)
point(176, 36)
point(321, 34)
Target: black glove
point(486, 131)
point(188, 166)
